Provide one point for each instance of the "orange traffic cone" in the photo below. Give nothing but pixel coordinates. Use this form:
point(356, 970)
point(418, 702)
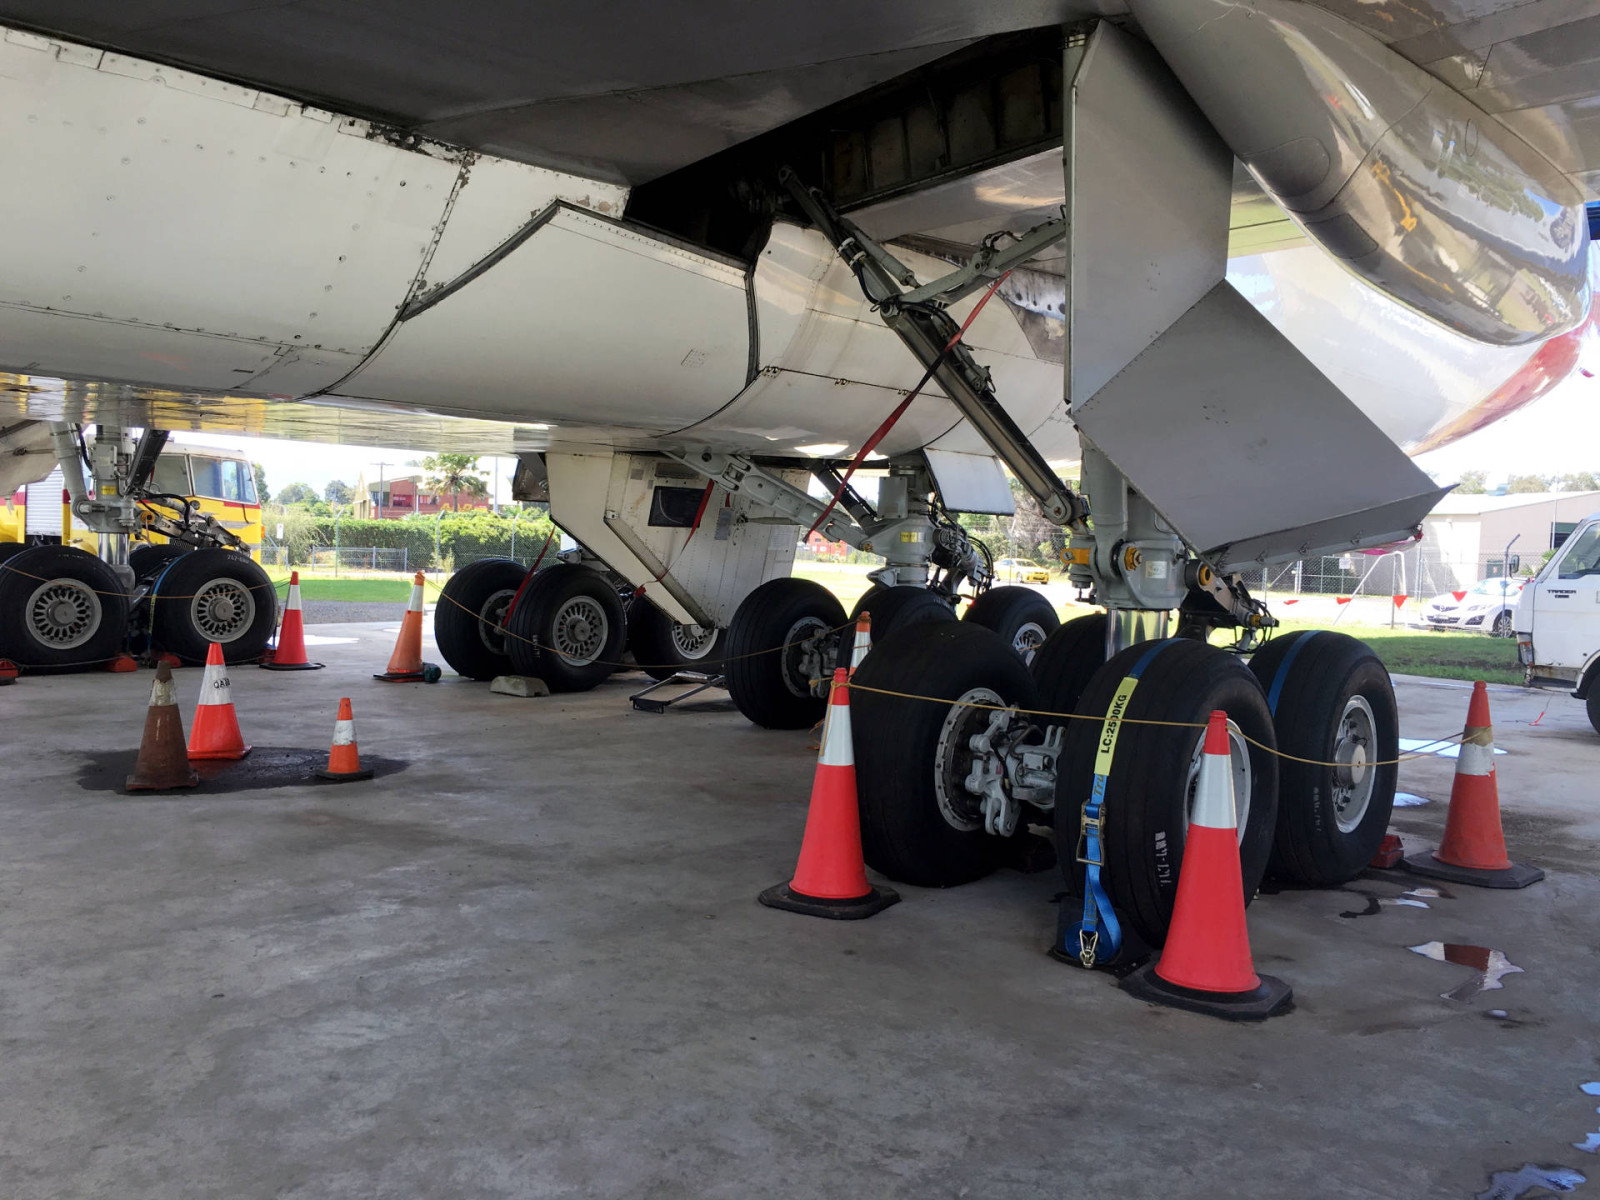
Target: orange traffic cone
point(830, 879)
point(344, 760)
point(1206, 966)
point(405, 664)
point(216, 727)
point(863, 641)
point(289, 654)
point(162, 763)
point(1474, 847)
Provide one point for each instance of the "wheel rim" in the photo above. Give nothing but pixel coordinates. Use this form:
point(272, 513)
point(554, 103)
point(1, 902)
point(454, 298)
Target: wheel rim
point(1027, 640)
point(1355, 777)
point(692, 642)
point(223, 610)
point(492, 621)
point(953, 759)
point(1502, 625)
point(1239, 761)
point(800, 655)
point(63, 614)
point(579, 630)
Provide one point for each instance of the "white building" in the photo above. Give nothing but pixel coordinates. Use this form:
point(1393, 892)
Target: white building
point(1466, 536)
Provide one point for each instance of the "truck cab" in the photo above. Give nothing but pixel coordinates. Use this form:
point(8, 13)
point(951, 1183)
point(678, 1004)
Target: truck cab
point(1558, 619)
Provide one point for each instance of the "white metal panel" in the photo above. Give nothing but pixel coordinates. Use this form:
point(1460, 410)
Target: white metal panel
point(587, 321)
point(1149, 186)
point(44, 505)
point(974, 483)
point(62, 343)
point(167, 200)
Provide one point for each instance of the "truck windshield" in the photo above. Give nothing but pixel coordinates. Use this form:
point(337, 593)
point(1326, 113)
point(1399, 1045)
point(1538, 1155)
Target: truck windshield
point(1583, 555)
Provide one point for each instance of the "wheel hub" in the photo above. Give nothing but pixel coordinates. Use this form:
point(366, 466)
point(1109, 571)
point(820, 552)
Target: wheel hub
point(692, 641)
point(1354, 778)
point(963, 772)
point(579, 630)
point(491, 625)
point(1027, 641)
point(802, 655)
point(63, 613)
point(223, 610)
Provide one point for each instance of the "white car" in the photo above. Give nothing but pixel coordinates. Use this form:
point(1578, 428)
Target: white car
point(1485, 607)
point(1558, 620)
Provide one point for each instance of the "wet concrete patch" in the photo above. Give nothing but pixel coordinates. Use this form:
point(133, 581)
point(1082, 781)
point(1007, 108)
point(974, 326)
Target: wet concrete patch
point(1417, 897)
point(1490, 966)
point(1530, 1177)
point(263, 768)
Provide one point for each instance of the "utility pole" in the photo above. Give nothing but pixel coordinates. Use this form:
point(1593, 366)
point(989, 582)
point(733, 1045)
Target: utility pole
point(383, 501)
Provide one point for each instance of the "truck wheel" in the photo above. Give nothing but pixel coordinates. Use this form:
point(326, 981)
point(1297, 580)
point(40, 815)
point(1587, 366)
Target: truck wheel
point(1021, 616)
point(146, 561)
point(1154, 770)
point(1067, 661)
point(468, 621)
point(775, 649)
point(569, 629)
point(1592, 704)
point(1331, 701)
point(210, 596)
point(919, 823)
point(894, 608)
point(60, 607)
point(662, 647)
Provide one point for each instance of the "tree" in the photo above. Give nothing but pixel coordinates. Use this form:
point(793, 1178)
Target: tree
point(261, 482)
point(338, 492)
point(453, 474)
point(1527, 483)
point(1473, 483)
point(1583, 481)
point(296, 493)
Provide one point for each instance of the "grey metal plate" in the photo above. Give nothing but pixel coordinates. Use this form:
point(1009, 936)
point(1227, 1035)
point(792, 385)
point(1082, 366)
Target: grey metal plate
point(1246, 448)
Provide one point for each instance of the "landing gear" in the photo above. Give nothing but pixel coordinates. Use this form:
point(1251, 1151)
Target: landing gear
point(1154, 770)
point(933, 809)
point(469, 620)
point(662, 647)
point(895, 608)
point(1332, 702)
point(146, 561)
point(59, 608)
point(782, 639)
point(569, 629)
point(210, 596)
point(1021, 616)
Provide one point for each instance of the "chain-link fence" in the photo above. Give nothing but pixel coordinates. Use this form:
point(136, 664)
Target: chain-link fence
point(1418, 570)
point(360, 558)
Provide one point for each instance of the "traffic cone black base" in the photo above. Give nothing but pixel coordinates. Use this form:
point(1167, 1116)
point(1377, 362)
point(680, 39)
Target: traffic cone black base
point(269, 665)
point(857, 908)
point(343, 776)
point(1517, 875)
point(1271, 998)
point(430, 673)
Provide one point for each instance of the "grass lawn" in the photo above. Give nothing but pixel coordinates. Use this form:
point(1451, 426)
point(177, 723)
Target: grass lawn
point(1441, 655)
point(374, 590)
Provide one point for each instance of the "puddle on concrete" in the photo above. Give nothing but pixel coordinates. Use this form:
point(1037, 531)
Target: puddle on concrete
point(264, 767)
point(1439, 747)
point(1408, 800)
point(1510, 1185)
point(1415, 898)
point(1591, 1141)
point(1491, 966)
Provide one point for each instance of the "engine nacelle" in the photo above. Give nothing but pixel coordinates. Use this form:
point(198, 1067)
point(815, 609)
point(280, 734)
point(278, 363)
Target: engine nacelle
point(1412, 186)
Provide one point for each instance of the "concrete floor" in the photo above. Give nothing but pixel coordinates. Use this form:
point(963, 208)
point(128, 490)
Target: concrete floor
point(532, 964)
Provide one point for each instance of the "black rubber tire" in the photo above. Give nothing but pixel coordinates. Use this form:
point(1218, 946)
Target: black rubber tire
point(760, 672)
point(1145, 814)
point(172, 624)
point(146, 561)
point(532, 628)
point(657, 654)
point(1324, 673)
point(24, 573)
point(1502, 626)
point(1064, 665)
point(467, 617)
point(1592, 705)
point(896, 608)
point(904, 832)
point(7, 549)
point(1015, 612)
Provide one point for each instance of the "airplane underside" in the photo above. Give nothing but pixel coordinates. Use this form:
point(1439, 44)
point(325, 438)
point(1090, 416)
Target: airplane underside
point(671, 344)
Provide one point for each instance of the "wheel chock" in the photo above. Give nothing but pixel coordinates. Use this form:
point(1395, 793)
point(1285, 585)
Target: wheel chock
point(525, 686)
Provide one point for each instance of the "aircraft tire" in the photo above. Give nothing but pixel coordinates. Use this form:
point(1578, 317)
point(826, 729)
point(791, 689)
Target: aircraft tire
point(569, 629)
point(895, 608)
point(1063, 666)
point(1328, 693)
point(662, 647)
point(918, 825)
point(147, 561)
point(1153, 770)
point(1020, 615)
point(60, 607)
point(213, 595)
point(469, 618)
point(765, 647)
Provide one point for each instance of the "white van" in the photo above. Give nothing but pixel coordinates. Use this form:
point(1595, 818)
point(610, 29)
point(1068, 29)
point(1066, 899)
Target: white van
point(1558, 619)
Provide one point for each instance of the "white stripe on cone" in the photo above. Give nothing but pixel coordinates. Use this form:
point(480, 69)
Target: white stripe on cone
point(1475, 759)
point(344, 733)
point(1213, 794)
point(859, 650)
point(162, 694)
point(293, 603)
point(215, 686)
point(416, 599)
point(838, 750)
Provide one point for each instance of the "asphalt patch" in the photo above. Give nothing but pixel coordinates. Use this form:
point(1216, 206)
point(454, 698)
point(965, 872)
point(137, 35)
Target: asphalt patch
point(263, 768)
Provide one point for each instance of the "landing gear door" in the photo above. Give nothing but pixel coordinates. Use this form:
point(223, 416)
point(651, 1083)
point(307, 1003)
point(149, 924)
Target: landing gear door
point(1247, 450)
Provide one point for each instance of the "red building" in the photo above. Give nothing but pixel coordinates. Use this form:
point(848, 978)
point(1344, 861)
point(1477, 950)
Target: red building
point(405, 495)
